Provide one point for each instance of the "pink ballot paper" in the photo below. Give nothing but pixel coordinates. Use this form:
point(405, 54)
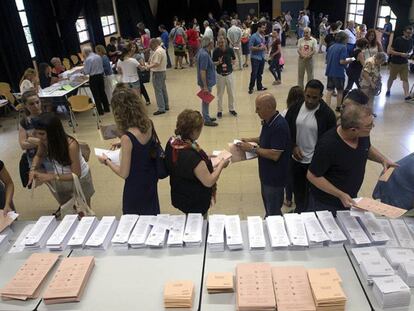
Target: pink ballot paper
point(206, 97)
point(223, 155)
point(379, 208)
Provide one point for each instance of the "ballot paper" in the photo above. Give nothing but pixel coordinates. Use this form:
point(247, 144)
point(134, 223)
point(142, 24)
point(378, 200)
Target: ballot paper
point(331, 228)
point(27, 281)
point(102, 235)
point(409, 221)
point(179, 294)
point(391, 292)
point(379, 208)
point(40, 232)
point(176, 231)
point(158, 233)
point(314, 231)
point(397, 256)
point(324, 275)
point(276, 230)
point(292, 289)
point(366, 253)
point(352, 229)
point(256, 234)
point(406, 272)
point(220, 282)
point(296, 230)
point(83, 231)
point(60, 238)
point(238, 154)
point(372, 228)
point(254, 287)
point(234, 237)
point(125, 227)
point(114, 155)
point(4, 239)
point(386, 226)
point(6, 220)
point(19, 245)
point(215, 239)
point(223, 155)
point(193, 233)
point(141, 230)
point(387, 174)
point(69, 281)
point(371, 268)
point(402, 233)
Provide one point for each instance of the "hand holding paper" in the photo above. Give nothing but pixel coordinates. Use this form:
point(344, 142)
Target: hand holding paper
point(113, 155)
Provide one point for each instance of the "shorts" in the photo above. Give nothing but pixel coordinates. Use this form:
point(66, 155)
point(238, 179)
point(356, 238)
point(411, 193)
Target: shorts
point(398, 69)
point(335, 83)
point(134, 85)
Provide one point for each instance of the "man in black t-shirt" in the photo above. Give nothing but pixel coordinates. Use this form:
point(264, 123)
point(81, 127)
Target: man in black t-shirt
point(337, 169)
point(112, 51)
point(223, 58)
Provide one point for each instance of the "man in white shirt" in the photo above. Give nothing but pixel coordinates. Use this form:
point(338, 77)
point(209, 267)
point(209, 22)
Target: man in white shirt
point(234, 35)
point(208, 32)
point(352, 37)
point(306, 49)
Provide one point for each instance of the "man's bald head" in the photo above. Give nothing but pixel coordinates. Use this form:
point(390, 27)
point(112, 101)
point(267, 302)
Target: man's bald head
point(265, 106)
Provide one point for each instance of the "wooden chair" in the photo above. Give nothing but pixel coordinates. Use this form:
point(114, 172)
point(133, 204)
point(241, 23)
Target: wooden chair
point(82, 103)
point(75, 60)
point(5, 90)
point(12, 102)
point(66, 63)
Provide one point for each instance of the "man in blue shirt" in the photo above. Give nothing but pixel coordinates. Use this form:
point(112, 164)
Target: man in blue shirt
point(257, 45)
point(386, 33)
point(273, 152)
point(166, 42)
point(206, 76)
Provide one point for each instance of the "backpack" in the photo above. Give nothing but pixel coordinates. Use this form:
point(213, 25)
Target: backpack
point(179, 40)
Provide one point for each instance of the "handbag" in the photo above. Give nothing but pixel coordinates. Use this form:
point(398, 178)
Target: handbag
point(158, 155)
point(144, 76)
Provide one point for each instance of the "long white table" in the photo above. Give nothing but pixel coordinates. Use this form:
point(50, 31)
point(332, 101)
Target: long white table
point(56, 90)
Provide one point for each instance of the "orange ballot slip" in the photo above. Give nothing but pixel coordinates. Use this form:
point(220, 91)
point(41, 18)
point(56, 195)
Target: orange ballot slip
point(69, 280)
point(179, 294)
point(219, 282)
point(28, 280)
point(292, 289)
point(254, 287)
point(380, 208)
point(387, 174)
point(6, 220)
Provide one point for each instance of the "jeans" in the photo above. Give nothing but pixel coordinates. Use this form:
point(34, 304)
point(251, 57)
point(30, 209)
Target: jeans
point(160, 89)
point(304, 64)
point(275, 69)
point(256, 75)
point(272, 199)
point(205, 109)
point(300, 185)
point(315, 205)
point(225, 82)
point(300, 32)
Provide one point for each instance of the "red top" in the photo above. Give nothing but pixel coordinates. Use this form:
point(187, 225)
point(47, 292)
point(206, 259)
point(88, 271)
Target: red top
point(192, 37)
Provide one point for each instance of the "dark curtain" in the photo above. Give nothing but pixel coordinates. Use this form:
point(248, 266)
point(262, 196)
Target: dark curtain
point(200, 9)
point(130, 13)
point(167, 9)
point(369, 17)
point(93, 19)
point(230, 6)
point(15, 56)
point(401, 9)
point(335, 9)
point(46, 39)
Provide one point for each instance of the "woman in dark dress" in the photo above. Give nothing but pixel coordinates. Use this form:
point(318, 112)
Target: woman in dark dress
point(136, 166)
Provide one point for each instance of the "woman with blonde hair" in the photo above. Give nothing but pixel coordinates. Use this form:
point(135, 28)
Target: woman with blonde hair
point(29, 81)
point(137, 161)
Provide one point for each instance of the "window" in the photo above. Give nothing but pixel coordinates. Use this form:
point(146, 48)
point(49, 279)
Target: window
point(356, 10)
point(385, 10)
point(108, 25)
point(25, 25)
point(82, 29)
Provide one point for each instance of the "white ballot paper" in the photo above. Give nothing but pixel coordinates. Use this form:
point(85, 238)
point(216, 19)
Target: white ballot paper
point(141, 230)
point(386, 226)
point(18, 245)
point(102, 235)
point(156, 237)
point(125, 227)
point(60, 238)
point(83, 232)
point(114, 155)
point(314, 230)
point(391, 292)
point(371, 268)
point(402, 233)
point(215, 239)
point(276, 230)
point(406, 272)
point(40, 232)
point(256, 234)
point(397, 256)
point(331, 228)
point(409, 221)
point(352, 228)
point(296, 230)
point(365, 253)
point(193, 233)
point(372, 228)
point(176, 231)
point(234, 237)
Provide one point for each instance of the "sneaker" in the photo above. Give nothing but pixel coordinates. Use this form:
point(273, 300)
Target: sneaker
point(250, 91)
point(262, 89)
point(388, 94)
point(156, 113)
point(213, 119)
point(167, 108)
point(409, 99)
point(234, 113)
point(219, 115)
point(210, 123)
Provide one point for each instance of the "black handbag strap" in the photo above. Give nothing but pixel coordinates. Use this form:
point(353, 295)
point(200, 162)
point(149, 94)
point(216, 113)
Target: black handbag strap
point(154, 135)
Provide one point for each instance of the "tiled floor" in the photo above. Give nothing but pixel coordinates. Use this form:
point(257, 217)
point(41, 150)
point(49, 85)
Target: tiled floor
point(238, 187)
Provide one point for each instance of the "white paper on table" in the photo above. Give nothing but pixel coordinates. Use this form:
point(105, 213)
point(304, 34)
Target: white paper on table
point(256, 233)
point(176, 231)
point(409, 221)
point(63, 229)
point(330, 226)
point(402, 233)
point(216, 229)
point(141, 230)
point(377, 267)
point(19, 245)
point(277, 232)
point(101, 232)
point(157, 235)
point(373, 228)
point(125, 227)
point(83, 230)
point(114, 155)
point(193, 232)
point(39, 229)
point(313, 228)
point(386, 226)
point(391, 284)
point(296, 229)
point(352, 226)
point(233, 230)
point(365, 253)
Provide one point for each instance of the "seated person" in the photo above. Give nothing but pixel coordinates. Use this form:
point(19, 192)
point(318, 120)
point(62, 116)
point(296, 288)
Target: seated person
point(57, 67)
point(45, 76)
point(29, 81)
point(6, 190)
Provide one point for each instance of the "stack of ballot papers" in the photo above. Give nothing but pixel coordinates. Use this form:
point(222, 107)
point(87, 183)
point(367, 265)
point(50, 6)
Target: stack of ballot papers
point(70, 280)
point(292, 290)
point(102, 235)
point(352, 229)
point(386, 226)
point(219, 282)
point(296, 230)
point(234, 237)
point(193, 233)
point(372, 228)
point(122, 233)
point(276, 230)
point(404, 237)
point(326, 289)
point(406, 272)
point(391, 292)
point(256, 234)
point(141, 230)
point(156, 237)
point(365, 253)
point(372, 268)
point(179, 294)
point(27, 282)
point(254, 287)
point(60, 238)
point(18, 246)
point(215, 239)
point(316, 235)
point(379, 208)
point(176, 231)
point(4, 239)
point(6, 220)
point(83, 231)
point(331, 228)
point(409, 221)
point(397, 256)
point(40, 232)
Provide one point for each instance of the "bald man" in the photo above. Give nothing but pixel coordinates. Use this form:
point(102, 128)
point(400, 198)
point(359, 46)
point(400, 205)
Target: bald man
point(273, 152)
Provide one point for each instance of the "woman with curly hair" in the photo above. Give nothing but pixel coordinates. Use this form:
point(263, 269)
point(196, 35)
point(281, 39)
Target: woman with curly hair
point(374, 46)
point(137, 163)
